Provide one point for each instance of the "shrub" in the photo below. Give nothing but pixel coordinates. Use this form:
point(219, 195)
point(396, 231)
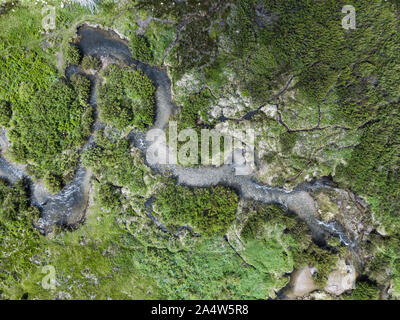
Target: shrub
point(72, 54)
point(81, 85)
point(109, 196)
point(91, 63)
point(5, 113)
point(209, 210)
point(53, 183)
point(364, 291)
point(140, 48)
point(126, 98)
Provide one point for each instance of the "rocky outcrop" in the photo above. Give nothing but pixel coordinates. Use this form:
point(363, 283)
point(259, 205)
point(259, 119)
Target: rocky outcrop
point(342, 279)
point(301, 283)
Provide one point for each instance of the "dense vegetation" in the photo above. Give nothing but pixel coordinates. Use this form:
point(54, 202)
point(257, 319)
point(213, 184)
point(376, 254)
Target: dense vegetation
point(364, 291)
point(208, 211)
point(140, 48)
point(113, 162)
point(91, 63)
point(373, 169)
point(195, 48)
point(5, 113)
point(194, 111)
point(49, 128)
point(126, 98)
point(72, 54)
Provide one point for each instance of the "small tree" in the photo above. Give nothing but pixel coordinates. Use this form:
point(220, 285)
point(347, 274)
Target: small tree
point(53, 183)
point(72, 54)
point(90, 63)
point(5, 113)
point(140, 48)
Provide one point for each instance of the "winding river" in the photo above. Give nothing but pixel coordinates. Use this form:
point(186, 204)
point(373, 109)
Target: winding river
point(69, 206)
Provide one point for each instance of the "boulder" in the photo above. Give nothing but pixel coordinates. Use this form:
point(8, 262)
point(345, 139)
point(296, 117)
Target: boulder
point(342, 279)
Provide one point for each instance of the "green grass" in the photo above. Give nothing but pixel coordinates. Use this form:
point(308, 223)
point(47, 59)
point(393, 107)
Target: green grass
point(89, 264)
point(19, 241)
